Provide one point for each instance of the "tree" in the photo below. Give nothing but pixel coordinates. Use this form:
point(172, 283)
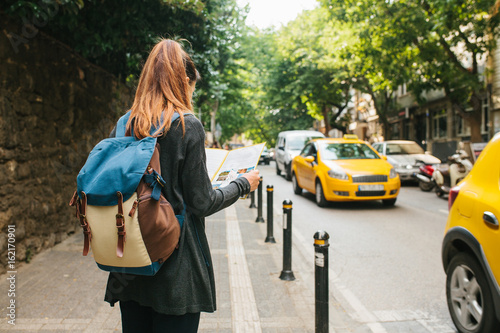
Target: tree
point(277, 103)
point(324, 86)
point(115, 34)
point(226, 22)
point(447, 40)
point(379, 65)
point(118, 35)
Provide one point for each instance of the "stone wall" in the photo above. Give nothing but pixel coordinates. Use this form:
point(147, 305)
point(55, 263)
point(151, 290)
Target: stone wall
point(54, 107)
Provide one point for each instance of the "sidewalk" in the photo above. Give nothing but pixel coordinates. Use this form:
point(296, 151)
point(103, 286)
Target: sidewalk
point(62, 291)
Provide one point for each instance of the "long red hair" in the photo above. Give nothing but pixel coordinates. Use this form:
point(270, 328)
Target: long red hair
point(163, 89)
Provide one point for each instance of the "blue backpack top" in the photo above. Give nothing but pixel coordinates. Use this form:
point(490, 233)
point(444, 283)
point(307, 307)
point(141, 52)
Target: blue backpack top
point(116, 164)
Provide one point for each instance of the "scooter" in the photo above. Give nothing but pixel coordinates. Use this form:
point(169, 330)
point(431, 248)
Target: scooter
point(424, 177)
point(450, 174)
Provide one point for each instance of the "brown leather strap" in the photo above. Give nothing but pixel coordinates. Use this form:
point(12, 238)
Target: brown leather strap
point(120, 225)
point(134, 208)
point(87, 235)
point(75, 202)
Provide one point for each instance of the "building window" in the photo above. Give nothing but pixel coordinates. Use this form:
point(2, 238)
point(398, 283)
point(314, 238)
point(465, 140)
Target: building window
point(485, 116)
point(462, 127)
point(402, 90)
point(439, 124)
point(496, 121)
point(395, 131)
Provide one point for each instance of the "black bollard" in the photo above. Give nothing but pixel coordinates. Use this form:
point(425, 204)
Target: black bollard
point(270, 237)
point(259, 203)
point(286, 273)
point(321, 280)
point(252, 200)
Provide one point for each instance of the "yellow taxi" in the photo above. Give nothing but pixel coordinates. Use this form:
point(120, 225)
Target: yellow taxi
point(471, 246)
point(344, 169)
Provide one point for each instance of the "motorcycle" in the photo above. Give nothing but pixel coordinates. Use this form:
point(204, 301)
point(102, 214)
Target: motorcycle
point(447, 175)
point(424, 177)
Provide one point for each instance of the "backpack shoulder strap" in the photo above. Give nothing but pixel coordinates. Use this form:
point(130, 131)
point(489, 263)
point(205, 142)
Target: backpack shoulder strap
point(121, 125)
point(174, 117)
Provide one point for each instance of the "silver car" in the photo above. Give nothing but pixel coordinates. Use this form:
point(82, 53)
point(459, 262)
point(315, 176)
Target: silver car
point(288, 145)
point(405, 156)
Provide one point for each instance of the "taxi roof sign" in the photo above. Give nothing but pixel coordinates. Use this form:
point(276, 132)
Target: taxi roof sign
point(350, 137)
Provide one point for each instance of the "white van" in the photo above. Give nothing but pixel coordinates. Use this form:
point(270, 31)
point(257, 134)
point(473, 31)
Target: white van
point(288, 145)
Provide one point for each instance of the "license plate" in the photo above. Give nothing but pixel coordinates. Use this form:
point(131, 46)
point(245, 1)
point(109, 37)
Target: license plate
point(373, 187)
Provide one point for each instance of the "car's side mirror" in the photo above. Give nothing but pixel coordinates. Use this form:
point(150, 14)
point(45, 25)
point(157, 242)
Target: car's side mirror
point(281, 148)
point(384, 157)
point(309, 159)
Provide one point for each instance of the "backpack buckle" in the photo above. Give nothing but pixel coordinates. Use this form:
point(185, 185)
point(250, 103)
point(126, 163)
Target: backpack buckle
point(160, 180)
point(120, 222)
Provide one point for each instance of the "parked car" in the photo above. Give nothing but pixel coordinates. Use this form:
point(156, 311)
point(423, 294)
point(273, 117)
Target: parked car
point(406, 157)
point(288, 145)
point(471, 246)
point(344, 170)
point(272, 154)
point(265, 157)
point(235, 146)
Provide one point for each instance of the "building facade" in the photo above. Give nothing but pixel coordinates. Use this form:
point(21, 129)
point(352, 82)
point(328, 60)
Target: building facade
point(435, 125)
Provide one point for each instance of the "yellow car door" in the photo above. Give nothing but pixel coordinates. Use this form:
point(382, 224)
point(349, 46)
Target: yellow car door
point(305, 167)
point(487, 209)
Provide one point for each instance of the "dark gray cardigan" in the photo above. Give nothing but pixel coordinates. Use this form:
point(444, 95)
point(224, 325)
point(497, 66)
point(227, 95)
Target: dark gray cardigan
point(185, 283)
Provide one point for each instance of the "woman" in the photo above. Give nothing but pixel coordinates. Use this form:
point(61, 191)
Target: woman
point(171, 301)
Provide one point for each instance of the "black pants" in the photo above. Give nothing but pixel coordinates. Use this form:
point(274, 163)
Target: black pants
point(143, 319)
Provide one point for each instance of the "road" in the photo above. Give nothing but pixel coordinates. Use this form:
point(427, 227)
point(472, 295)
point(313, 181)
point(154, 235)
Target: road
point(385, 262)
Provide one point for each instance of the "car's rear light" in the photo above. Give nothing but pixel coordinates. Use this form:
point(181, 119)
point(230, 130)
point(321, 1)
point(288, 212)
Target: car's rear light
point(427, 169)
point(452, 196)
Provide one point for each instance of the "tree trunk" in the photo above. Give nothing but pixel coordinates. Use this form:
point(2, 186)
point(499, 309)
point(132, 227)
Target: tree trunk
point(213, 115)
point(387, 129)
point(325, 112)
point(475, 119)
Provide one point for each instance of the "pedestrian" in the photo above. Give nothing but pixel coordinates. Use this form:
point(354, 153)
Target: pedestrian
point(171, 300)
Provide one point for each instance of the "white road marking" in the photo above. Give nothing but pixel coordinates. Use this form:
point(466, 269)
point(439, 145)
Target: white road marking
point(245, 316)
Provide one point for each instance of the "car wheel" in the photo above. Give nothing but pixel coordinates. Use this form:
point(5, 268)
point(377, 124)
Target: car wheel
point(288, 174)
point(278, 171)
point(296, 188)
point(389, 202)
point(320, 196)
point(426, 187)
point(469, 296)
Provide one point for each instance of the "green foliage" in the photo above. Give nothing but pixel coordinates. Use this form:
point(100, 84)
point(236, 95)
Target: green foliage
point(118, 34)
point(263, 82)
point(319, 79)
point(275, 102)
point(219, 87)
point(40, 9)
point(431, 44)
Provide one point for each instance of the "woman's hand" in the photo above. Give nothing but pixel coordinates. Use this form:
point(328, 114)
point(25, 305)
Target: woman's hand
point(253, 178)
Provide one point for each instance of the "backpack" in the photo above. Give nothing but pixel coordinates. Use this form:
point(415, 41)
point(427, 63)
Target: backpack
point(126, 220)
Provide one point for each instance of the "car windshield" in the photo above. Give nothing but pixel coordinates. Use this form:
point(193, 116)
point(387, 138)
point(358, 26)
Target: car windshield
point(346, 151)
point(403, 148)
point(298, 142)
